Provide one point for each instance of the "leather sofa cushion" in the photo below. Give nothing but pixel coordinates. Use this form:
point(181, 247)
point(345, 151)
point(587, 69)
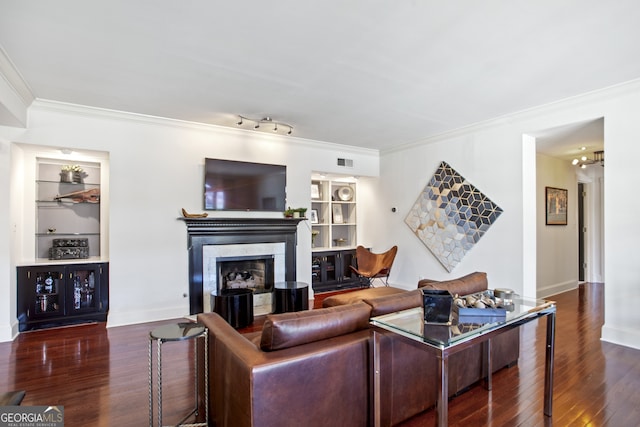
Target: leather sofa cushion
point(357, 296)
point(465, 285)
point(286, 330)
point(392, 303)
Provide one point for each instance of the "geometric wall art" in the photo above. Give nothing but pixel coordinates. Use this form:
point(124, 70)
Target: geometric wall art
point(450, 216)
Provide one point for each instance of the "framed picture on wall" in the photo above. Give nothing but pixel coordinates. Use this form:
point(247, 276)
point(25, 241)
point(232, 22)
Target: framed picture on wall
point(556, 206)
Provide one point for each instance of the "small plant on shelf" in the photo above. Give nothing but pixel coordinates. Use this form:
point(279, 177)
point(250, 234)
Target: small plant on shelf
point(295, 213)
point(71, 173)
point(72, 168)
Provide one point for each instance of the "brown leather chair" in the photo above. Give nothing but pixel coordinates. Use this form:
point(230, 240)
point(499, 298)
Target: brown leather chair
point(373, 266)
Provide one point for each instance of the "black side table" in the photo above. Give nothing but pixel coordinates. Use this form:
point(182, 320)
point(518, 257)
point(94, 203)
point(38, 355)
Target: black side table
point(235, 306)
point(179, 332)
point(290, 296)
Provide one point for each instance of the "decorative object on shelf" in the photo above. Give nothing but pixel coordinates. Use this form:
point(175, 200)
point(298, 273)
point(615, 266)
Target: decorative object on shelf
point(69, 249)
point(266, 122)
point(51, 230)
point(340, 241)
point(295, 213)
point(315, 191)
point(337, 214)
point(313, 216)
point(314, 234)
point(71, 174)
point(83, 196)
point(450, 216)
point(556, 206)
point(189, 215)
point(344, 194)
point(584, 161)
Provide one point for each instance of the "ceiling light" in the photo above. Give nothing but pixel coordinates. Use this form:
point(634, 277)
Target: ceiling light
point(277, 125)
point(598, 159)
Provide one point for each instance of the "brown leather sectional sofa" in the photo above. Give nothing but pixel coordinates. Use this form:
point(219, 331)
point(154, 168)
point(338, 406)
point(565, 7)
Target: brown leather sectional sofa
point(312, 368)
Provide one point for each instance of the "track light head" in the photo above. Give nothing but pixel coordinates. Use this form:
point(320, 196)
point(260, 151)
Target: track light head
point(268, 120)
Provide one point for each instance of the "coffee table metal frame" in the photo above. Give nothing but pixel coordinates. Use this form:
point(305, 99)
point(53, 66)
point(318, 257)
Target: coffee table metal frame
point(442, 351)
point(179, 332)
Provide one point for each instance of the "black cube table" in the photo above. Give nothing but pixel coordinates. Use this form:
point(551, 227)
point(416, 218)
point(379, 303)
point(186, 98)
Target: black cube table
point(290, 296)
point(235, 306)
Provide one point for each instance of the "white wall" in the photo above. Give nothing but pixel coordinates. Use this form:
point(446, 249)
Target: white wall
point(557, 245)
point(490, 156)
point(156, 168)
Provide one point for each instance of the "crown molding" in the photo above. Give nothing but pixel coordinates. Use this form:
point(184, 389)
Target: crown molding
point(599, 95)
point(88, 111)
point(12, 76)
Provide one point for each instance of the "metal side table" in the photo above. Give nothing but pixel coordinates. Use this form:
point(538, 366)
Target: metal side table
point(179, 332)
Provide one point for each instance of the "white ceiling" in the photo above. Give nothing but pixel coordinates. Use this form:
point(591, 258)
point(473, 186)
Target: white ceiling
point(368, 73)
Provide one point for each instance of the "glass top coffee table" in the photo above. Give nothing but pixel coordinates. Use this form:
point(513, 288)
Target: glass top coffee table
point(444, 340)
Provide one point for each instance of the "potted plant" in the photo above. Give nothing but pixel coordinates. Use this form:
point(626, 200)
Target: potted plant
point(295, 213)
point(71, 173)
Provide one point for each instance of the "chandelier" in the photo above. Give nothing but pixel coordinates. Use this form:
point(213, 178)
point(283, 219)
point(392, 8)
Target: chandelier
point(266, 123)
point(584, 161)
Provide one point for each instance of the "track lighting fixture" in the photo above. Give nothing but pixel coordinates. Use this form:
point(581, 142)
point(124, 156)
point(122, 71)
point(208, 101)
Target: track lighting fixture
point(266, 120)
point(584, 161)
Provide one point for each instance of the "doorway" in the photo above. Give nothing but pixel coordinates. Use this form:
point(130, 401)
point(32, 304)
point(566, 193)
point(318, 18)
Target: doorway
point(581, 233)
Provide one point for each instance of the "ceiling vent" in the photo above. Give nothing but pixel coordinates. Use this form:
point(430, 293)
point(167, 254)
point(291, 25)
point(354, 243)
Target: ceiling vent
point(348, 163)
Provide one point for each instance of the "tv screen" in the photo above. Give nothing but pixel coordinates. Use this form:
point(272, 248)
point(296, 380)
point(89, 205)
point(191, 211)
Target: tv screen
point(233, 186)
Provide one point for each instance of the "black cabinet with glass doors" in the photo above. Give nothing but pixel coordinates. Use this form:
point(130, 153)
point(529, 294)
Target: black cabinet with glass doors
point(330, 270)
point(62, 294)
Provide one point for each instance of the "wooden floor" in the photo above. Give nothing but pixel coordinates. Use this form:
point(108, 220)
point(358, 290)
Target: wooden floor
point(100, 375)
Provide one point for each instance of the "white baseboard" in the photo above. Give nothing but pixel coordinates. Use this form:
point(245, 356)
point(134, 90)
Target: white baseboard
point(556, 288)
point(621, 336)
point(123, 318)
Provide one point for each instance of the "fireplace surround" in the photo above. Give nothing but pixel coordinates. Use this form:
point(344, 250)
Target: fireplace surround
point(233, 231)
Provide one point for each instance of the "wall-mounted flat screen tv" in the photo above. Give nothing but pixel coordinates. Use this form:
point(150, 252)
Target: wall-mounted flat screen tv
point(243, 186)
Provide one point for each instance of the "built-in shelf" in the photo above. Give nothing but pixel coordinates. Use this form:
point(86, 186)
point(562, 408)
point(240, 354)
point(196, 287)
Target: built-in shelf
point(63, 208)
point(333, 203)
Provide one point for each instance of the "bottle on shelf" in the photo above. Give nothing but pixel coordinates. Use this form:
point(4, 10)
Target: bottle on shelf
point(77, 293)
point(49, 283)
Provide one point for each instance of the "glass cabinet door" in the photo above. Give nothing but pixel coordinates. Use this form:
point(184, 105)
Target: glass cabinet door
point(83, 284)
point(47, 290)
point(330, 261)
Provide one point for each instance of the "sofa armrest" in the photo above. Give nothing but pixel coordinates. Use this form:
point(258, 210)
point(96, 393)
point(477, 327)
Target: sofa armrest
point(392, 303)
point(250, 387)
point(286, 330)
point(465, 285)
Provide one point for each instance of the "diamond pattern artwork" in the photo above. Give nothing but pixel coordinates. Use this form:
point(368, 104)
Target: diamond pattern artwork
point(450, 216)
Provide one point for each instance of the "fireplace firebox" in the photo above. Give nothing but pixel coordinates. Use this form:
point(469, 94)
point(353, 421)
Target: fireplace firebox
point(251, 272)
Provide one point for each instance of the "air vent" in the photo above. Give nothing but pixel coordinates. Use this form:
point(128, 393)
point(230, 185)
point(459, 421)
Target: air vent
point(348, 163)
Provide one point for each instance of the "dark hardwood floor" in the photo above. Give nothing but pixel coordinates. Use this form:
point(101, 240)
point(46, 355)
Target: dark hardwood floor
point(100, 375)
